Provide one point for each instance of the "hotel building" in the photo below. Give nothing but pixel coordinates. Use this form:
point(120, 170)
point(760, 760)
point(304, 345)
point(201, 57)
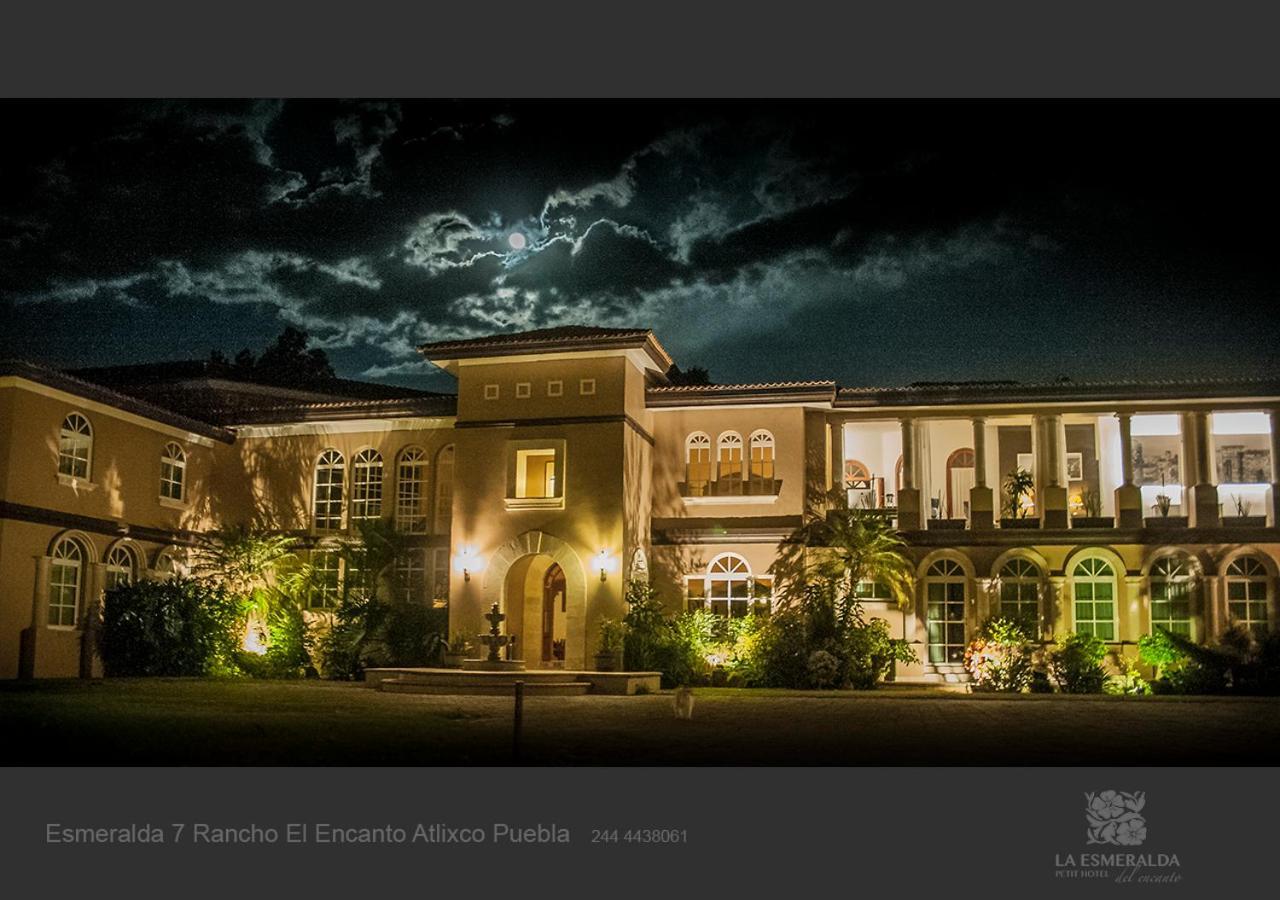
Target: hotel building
point(566, 464)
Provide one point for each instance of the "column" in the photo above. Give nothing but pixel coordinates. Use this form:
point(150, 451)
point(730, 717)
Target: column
point(1058, 614)
point(1200, 494)
point(1051, 493)
point(910, 512)
point(1273, 507)
point(835, 475)
point(29, 643)
point(1136, 620)
point(1128, 494)
point(91, 618)
point(981, 497)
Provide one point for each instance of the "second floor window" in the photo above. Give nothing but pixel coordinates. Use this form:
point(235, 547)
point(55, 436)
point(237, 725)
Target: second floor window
point(411, 491)
point(366, 486)
point(444, 490)
point(729, 463)
point(697, 465)
point(761, 477)
point(173, 472)
point(536, 473)
point(75, 446)
point(330, 474)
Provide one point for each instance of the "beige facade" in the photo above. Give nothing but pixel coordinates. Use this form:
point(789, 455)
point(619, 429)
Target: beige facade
point(567, 464)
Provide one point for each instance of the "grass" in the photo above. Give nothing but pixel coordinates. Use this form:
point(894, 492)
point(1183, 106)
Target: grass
point(195, 722)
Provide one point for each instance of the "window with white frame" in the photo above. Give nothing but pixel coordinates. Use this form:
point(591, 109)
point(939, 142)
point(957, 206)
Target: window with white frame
point(761, 473)
point(167, 564)
point(122, 566)
point(1094, 592)
point(331, 471)
point(411, 575)
point(728, 588)
point(697, 464)
point(75, 447)
point(946, 590)
point(729, 463)
point(366, 486)
point(1019, 581)
point(1249, 594)
point(872, 590)
point(66, 580)
point(444, 490)
point(1172, 583)
point(173, 472)
point(326, 580)
point(411, 491)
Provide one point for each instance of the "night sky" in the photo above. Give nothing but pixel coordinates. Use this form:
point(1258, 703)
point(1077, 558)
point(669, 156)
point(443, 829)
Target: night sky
point(873, 243)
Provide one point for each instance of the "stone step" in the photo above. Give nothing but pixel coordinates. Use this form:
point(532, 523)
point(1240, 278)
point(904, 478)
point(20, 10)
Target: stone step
point(497, 689)
point(460, 677)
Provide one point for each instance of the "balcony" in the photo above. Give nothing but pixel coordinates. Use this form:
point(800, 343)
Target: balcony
point(728, 491)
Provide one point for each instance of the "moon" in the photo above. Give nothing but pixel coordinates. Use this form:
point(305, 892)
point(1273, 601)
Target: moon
point(516, 240)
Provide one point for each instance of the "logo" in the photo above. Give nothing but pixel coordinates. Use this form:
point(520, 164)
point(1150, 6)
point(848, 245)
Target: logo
point(1115, 817)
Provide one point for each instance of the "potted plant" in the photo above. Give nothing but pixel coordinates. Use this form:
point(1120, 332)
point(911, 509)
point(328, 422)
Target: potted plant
point(1019, 484)
point(1162, 506)
point(456, 651)
point(609, 650)
point(1242, 517)
point(1091, 502)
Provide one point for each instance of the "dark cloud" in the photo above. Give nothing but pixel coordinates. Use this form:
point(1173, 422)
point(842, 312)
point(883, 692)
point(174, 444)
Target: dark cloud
point(862, 241)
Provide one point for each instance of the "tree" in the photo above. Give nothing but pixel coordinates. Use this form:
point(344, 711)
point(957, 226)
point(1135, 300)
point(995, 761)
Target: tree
point(286, 363)
point(849, 546)
point(691, 375)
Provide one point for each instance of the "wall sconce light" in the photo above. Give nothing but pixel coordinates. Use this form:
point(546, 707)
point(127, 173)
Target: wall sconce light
point(468, 561)
point(607, 563)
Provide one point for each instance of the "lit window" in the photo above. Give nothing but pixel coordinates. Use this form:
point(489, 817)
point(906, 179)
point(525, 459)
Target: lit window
point(1095, 598)
point(326, 580)
point(66, 575)
point(173, 472)
point(946, 589)
point(729, 463)
point(1248, 595)
point(330, 474)
point(411, 491)
point(1020, 593)
point(761, 481)
point(444, 490)
point(121, 567)
point(729, 589)
point(872, 590)
point(1171, 587)
point(366, 486)
point(697, 466)
point(75, 447)
point(587, 386)
point(535, 473)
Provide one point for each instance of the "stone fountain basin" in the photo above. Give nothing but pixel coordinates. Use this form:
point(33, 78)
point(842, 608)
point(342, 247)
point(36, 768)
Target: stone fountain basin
point(493, 665)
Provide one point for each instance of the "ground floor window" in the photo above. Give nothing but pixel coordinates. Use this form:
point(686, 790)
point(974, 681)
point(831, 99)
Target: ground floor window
point(1020, 594)
point(1171, 587)
point(1094, 588)
point(66, 575)
point(945, 594)
point(326, 580)
point(1248, 597)
point(728, 588)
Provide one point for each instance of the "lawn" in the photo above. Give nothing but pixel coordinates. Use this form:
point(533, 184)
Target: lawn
point(158, 721)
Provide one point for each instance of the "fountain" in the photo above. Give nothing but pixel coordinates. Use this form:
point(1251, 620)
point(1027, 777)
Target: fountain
point(496, 642)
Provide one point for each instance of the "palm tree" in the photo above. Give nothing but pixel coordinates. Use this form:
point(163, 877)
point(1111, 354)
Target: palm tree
point(850, 546)
point(246, 561)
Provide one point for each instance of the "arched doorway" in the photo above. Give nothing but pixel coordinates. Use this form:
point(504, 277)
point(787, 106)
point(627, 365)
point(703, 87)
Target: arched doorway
point(554, 610)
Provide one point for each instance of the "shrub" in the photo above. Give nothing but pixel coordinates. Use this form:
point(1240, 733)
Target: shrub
point(1128, 682)
point(178, 627)
point(823, 669)
point(368, 632)
point(998, 659)
point(1076, 664)
point(1159, 651)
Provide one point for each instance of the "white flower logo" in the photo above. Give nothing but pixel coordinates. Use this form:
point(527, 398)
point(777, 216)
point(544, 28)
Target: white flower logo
point(1115, 818)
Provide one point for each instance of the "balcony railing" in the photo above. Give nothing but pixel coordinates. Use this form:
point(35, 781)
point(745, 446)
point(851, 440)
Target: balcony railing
point(731, 487)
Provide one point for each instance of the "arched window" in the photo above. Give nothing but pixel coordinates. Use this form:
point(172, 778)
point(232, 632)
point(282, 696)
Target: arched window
point(444, 490)
point(960, 480)
point(366, 486)
point(122, 566)
point(1171, 585)
point(173, 472)
point(411, 491)
point(330, 474)
point(697, 464)
point(1094, 591)
point(728, 588)
point(75, 447)
point(1020, 593)
point(729, 463)
point(167, 564)
point(761, 478)
point(946, 590)
point(66, 581)
point(1249, 594)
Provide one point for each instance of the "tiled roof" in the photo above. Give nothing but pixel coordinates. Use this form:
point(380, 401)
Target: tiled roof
point(546, 340)
point(90, 391)
point(1062, 390)
point(775, 391)
point(436, 405)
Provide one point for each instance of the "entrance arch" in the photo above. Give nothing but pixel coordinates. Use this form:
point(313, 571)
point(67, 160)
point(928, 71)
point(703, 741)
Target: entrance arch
point(518, 577)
